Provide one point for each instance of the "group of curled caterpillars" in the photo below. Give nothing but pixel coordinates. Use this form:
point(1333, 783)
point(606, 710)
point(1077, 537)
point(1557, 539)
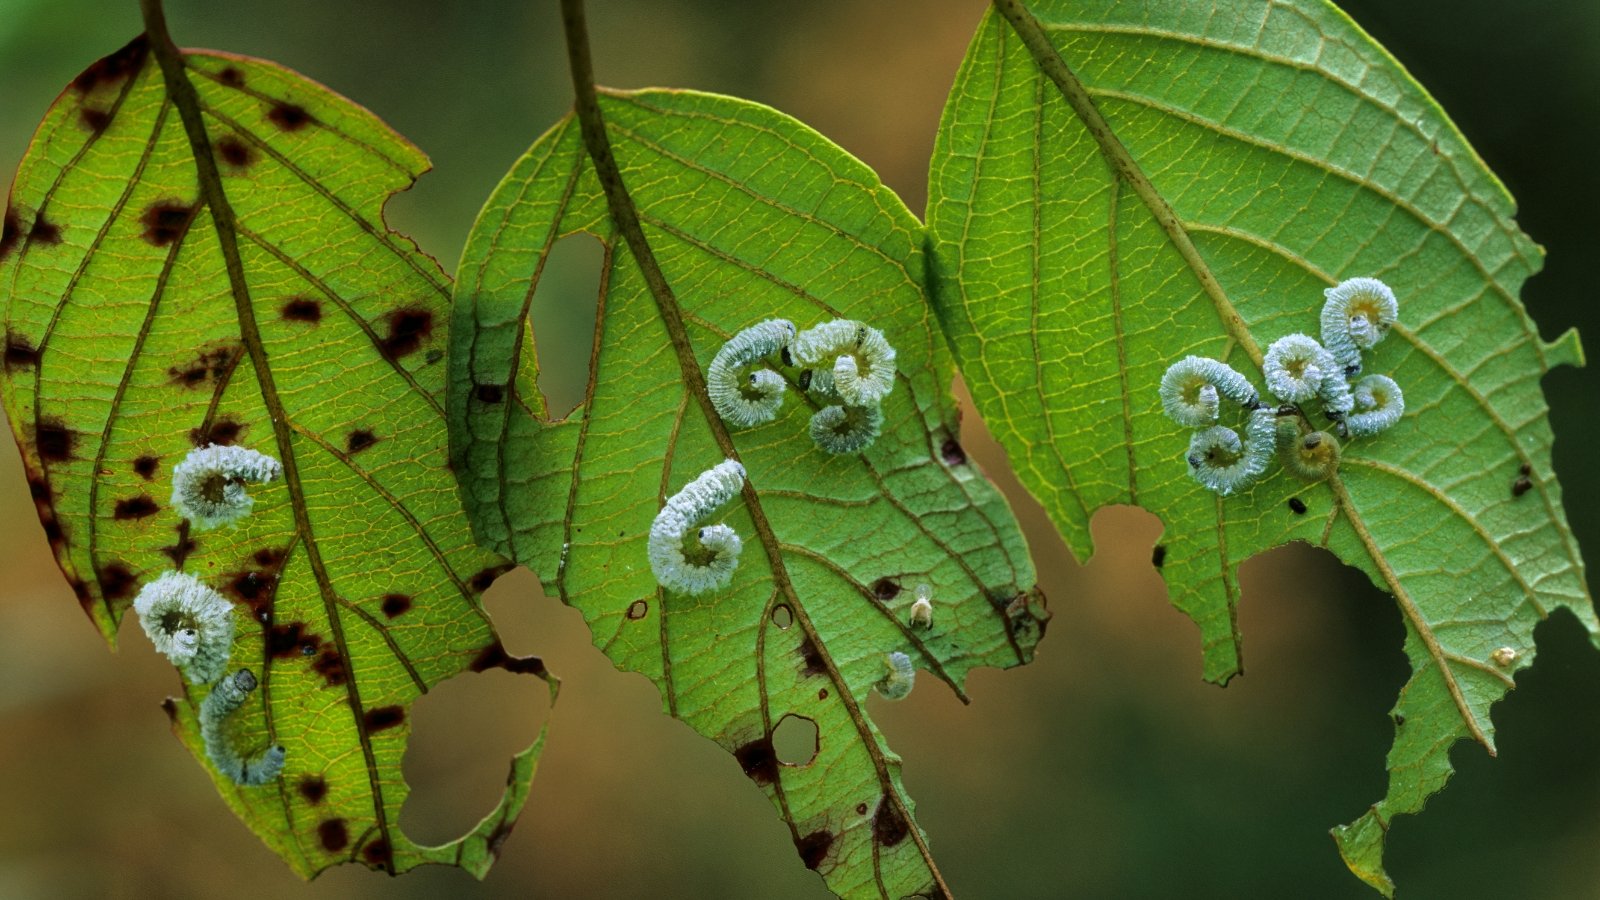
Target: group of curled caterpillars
point(192, 625)
point(1299, 369)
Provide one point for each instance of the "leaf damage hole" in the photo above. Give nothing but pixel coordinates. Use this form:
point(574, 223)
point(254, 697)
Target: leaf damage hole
point(782, 615)
point(561, 322)
point(638, 609)
point(795, 741)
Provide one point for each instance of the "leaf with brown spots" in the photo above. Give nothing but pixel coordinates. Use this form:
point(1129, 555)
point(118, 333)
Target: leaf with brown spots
point(828, 540)
point(195, 306)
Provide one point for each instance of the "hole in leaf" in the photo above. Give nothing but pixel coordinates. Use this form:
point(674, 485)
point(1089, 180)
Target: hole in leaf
point(782, 615)
point(464, 733)
point(795, 740)
point(562, 318)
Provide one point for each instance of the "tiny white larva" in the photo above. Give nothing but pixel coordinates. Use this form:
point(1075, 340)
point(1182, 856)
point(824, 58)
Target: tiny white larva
point(1357, 314)
point(713, 555)
point(846, 429)
point(219, 706)
point(1379, 403)
point(189, 623)
point(922, 608)
point(1192, 389)
point(1296, 367)
point(208, 485)
point(1224, 463)
point(899, 678)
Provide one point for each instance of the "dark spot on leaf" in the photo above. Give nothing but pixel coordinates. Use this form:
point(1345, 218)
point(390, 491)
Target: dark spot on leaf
point(1298, 505)
point(95, 120)
point(223, 431)
point(886, 589)
point(313, 788)
point(481, 581)
point(179, 551)
point(170, 707)
point(330, 665)
point(1521, 486)
point(433, 356)
point(497, 837)
point(10, 233)
point(814, 848)
point(359, 440)
point(235, 152)
point(213, 364)
point(43, 231)
point(1399, 719)
point(1158, 556)
point(408, 328)
point(291, 640)
point(822, 694)
point(113, 68)
point(888, 826)
point(145, 466)
point(952, 453)
point(302, 309)
point(135, 507)
point(250, 585)
point(812, 658)
point(861, 809)
point(494, 656)
point(378, 854)
point(333, 835)
point(289, 116)
point(38, 488)
point(268, 556)
point(1525, 469)
point(490, 393)
point(165, 221)
point(395, 604)
point(54, 440)
point(384, 717)
point(758, 760)
point(231, 76)
point(81, 591)
point(116, 581)
point(638, 609)
point(52, 528)
point(786, 355)
point(20, 352)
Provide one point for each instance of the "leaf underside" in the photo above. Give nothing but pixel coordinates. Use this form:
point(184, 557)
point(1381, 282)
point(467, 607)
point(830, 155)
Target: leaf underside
point(751, 216)
point(131, 339)
point(1250, 154)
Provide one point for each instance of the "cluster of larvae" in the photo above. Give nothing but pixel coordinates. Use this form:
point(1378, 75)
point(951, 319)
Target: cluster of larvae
point(191, 624)
point(1298, 369)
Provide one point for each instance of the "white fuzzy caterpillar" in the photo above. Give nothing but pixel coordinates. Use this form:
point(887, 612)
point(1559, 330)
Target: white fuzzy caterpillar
point(224, 699)
point(922, 609)
point(849, 358)
point(1296, 367)
point(840, 430)
point(1379, 404)
point(1192, 390)
point(744, 397)
point(189, 623)
point(712, 556)
point(899, 678)
point(1224, 463)
point(208, 485)
point(1357, 314)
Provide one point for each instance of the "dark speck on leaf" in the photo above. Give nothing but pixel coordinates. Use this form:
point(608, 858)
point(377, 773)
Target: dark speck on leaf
point(888, 826)
point(302, 309)
point(20, 352)
point(235, 152)
point(395, 604)
point(43, 232)
point(289, 116)
point(1521, 486)
point(313, 788)
point(378, 854)
point(1298, 505)
point(333, 834)
point(55, 441)
point(116, 581)
point(359, 440)
point(759, 760)
point(814, 848)
point(812, 659)
point(223, 431)
point(489, 393)
point(145, 467)
point(383, 717)
point(886, 589)
point(95, 120)
point(135, 507)
point(114, 68)
point(11, 232)
point(231, 76)
point(165, 221)
point(1158, 556)
point(408, 329)
point(952, 453)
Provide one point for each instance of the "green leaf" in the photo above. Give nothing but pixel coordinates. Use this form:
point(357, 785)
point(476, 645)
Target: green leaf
point(751, 216)
point(1127, 183)
point(158, 298)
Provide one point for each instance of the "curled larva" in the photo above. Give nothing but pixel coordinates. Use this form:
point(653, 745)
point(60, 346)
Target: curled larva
point(189, 623)
point(742, 394)
point(900, 676)
point(922, 608)
point(1309, 456)
point(1357, 314)
point(1224, 463)
point(846, 429)
point(849, 358)
point(1296, 366)
point(691, 559)
point(1379, 404)
point(1192, 389)
point(224, 699)
point(208, 485)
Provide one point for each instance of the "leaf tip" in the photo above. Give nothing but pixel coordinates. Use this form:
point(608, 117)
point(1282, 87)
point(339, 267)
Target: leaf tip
point(1565, 350)
point(1361, 846)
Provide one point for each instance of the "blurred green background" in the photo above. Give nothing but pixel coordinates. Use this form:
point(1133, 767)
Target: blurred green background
point(1107, 769)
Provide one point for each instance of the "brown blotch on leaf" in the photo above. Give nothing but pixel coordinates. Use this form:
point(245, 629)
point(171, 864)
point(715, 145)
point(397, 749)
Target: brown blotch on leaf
point(20, 352)
point(289, 116)
point(302, 309)
point(223, 431)
point(145, 466)
point(409, 327)
point(249, 585)
point(95, 120)
point(378, 854)
point(814, 848)
point(861, 809)
point(81, 590)
point(268, 556)
point(822, 694)
point(38, 488)
point(52, 527)
point(116, 581)
point(1525, 469)
point(213, 364)
point(54, 440)
point(1158, 556)
point(638, 609)
point(114, 68)
point(44, 231)
point(383, 717)
point(292, 639)
point(333, 834)
point(165, 221)
point(395, 604)
point(888, 826)
point(812, 659)
point(497, 837)
point(10, 233)
point(485, 577)
point(231, 76)
point(235, 152)
point(952, 453)
point(494, 656)
point(1521, 486)
point(135, 507)
point(759, 761)
point(359, 440)
point(330, 665)
point(313, 788)
point(180, 550)
point(1298, 505)
point(490, 393)
point(885, 589)
point(170, 707)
